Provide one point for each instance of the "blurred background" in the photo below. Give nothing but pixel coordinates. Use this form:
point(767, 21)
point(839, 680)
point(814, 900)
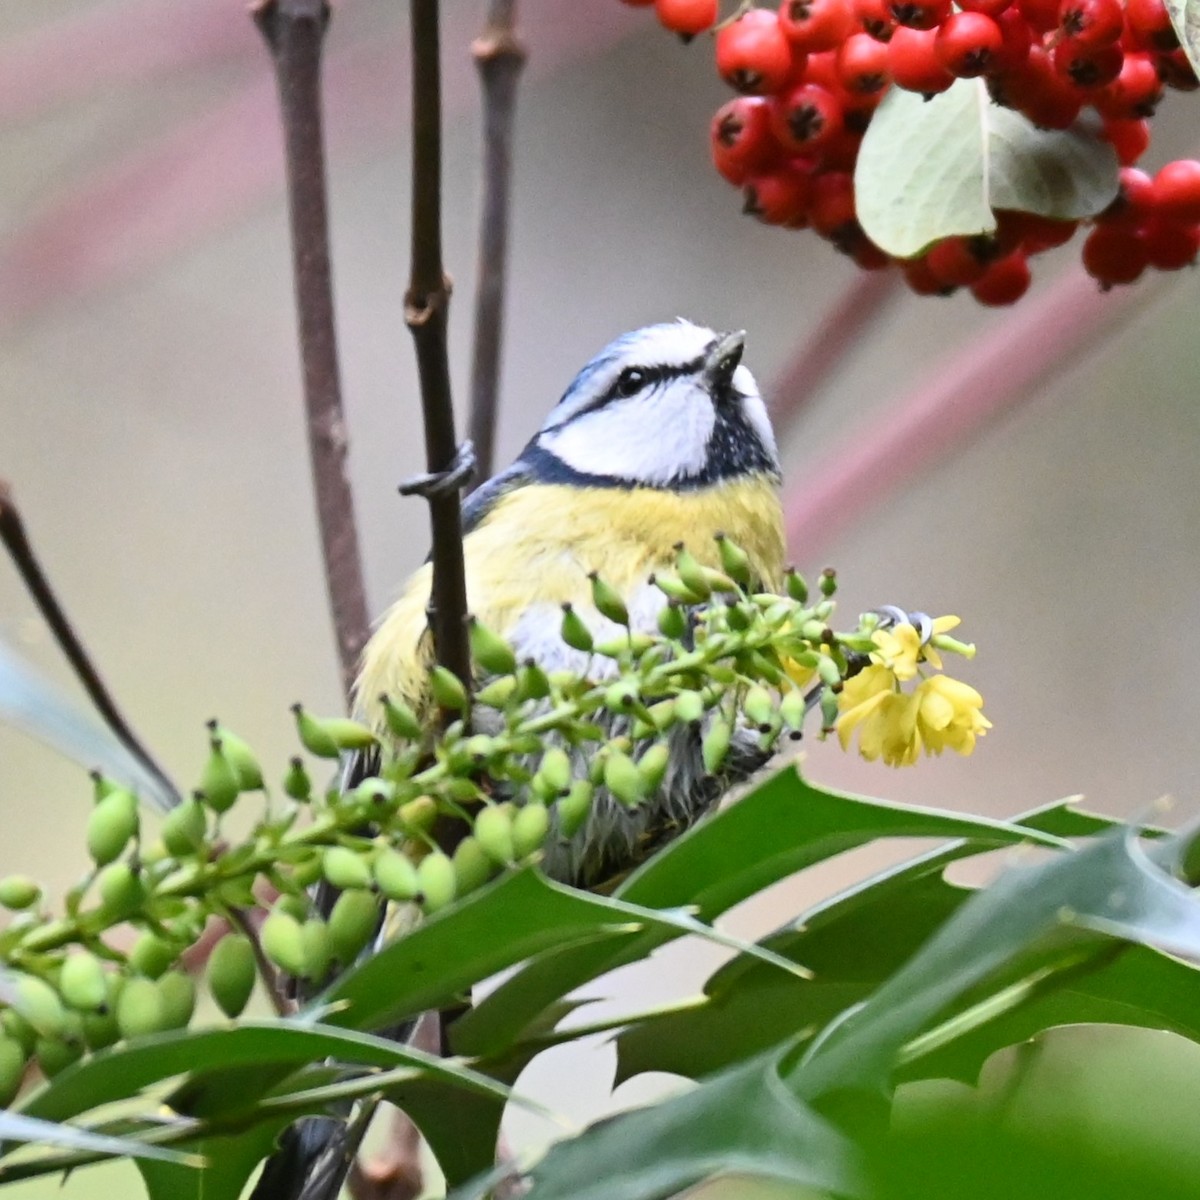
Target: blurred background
point(151, 422)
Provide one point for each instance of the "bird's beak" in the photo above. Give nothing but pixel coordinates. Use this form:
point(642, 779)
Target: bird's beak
point(723, 359)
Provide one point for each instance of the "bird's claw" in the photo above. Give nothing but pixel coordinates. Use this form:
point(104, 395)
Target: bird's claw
point(433, 484)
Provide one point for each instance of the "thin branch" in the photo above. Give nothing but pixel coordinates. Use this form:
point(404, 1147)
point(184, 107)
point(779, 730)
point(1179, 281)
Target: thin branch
point(16, 542)
point(964, 393)
point(426, 306)
point(295, 32)
point(840, 331)
point(499, 55)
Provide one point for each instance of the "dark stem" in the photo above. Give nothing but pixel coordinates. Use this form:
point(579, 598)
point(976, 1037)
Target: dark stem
point(16, 542)
point(499, 55)
point(295, 32)
point(426, 306)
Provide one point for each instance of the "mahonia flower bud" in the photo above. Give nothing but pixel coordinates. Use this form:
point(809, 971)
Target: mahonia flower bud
point(219, 786)
point(110, 825)
point(345, 869)
point(623, 779)
point(395, 875)
point(12, 1070)
point(715, 746)
point(232, 972)
point(400, 719)
point(39, 1004)
point(494, 832)
point(607, 601)
point(574, 630)
point(490, 650)
point(653, 766)
point(448, 689)
point(140, 1008)
point(281, 941)
point(574, 807)
point(152, 955)
point(529, 828)
point(672, 622)
point(184, 828)
point(121, 890)
point(55, 1054)
point(435, 873)
point(316, 949)
point(81, 981)
point(472, 866)
point(352, 924)
point(177, 991)
point(243, 760)
point(735, 562)
point(296, 783)
point(18, 892)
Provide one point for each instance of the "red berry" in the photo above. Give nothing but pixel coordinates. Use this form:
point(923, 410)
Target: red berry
point(740, 138)
point(1112, 255)
point(919, 14)
point(1004, 282)
point(841, 154)
point(1035, 233)
point(1017, 39)
point(1038, 91)
point(1176, 71)
point(1088, 66)
point(1134, 93)
point(1177, 191)
point(753, 56)
point(922, 280)
point(1129, 139)
point(1150, 20)
point(1042, 15)
point(806, 119)
point(875, 17)
point(955, 261)
point(990, 8)
point(1091, 22)
point(832, 205)
point(913, 63)
point(1135, 203)
point(867, 256)
point(815, 25)
point(1170, 246)
point(779, 197)
point(686, 17)
point(863, 64)
point(967, 43)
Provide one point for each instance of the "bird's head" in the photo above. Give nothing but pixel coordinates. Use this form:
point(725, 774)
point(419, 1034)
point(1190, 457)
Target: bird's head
point(667, 406)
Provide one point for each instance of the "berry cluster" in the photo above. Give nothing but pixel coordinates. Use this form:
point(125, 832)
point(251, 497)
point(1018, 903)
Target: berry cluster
point(811, 74)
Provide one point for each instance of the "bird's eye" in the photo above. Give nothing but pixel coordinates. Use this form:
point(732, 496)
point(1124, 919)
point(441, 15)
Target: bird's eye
point(631, 381)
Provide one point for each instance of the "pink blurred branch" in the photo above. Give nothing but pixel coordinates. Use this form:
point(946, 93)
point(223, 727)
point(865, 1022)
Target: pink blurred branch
point(988, 377)
point(845, 323)
point(214, 169)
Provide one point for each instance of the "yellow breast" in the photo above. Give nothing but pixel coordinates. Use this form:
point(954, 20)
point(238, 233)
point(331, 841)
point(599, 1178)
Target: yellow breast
point(538, 544)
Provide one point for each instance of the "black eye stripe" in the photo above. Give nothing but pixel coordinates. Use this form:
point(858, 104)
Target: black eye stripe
point(650, 377)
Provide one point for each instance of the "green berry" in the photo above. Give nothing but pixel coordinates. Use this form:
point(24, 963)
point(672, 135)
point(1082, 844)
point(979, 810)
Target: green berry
point(219, 784)
point(40, 1005)
point(448, 690)
point(281, 941)
point(715, 746)
point(243, 760)
point(472, 866)
point(653, 766)
point(296, 783)
point(607, 601)
point(177, 990)
point(121, 890)
point(401, 720)
point(623, 779)
point(575, 631)
point(184, 828)
point(152, 955)
point(574, 807)
point(490, 650)
point(55, 1054)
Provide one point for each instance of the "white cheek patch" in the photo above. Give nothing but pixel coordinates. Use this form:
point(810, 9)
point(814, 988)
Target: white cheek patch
point(755, 410)
point(653, 438)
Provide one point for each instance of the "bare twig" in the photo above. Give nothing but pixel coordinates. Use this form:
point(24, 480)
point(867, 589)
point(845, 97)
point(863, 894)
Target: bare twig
point(426, 305)
point(295, 32)
point(846, 321)
point(1045, 336)
point(499, 55)
point(16, 542)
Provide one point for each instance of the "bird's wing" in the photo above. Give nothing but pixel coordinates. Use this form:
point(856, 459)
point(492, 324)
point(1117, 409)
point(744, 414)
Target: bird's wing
point(485, 497)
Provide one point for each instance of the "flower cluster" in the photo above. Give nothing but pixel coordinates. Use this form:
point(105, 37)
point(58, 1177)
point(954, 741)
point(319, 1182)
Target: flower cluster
point(897, 726)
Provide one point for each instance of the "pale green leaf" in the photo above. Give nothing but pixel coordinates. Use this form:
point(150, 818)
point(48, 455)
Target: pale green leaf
point(1185, 16)
point(937, 168)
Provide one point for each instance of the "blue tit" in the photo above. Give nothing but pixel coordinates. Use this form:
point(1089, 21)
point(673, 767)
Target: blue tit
point(662, 438)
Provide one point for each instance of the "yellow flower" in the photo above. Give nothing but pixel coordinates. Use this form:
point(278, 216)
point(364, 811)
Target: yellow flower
point(949, 715)
point(898, 649)
point(886, 719)
point(798, 673)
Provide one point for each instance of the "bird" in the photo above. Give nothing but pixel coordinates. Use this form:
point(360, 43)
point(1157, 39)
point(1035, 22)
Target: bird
point(662, 439)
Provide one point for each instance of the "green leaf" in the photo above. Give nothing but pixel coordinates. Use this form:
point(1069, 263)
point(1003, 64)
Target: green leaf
point(743, 1121)
point(852, 941)
point(1185, 16)
point(229, 1163)
point(1055, 908)
point(123, 1071)
point(498, 926)
point(20, 1128)
point(1140, 987)
point(932, 169)
point(783, 826)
